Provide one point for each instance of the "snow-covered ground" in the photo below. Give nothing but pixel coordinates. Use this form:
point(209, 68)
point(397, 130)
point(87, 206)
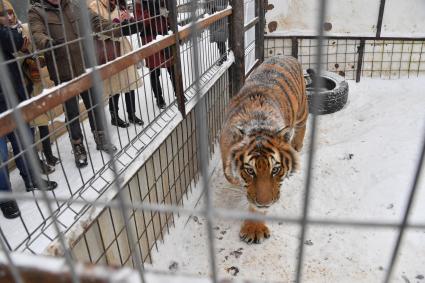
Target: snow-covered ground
point(364, 167)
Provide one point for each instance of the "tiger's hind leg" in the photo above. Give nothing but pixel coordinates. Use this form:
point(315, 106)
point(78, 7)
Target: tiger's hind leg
point(298, 139)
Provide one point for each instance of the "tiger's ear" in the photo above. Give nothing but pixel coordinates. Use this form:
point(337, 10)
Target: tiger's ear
point(285, 132)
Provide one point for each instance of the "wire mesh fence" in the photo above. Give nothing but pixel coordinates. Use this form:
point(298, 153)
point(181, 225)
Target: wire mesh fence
point(387, 58)
point(155, 78)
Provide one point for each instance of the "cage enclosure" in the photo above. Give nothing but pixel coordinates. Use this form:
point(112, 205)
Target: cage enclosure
point(158, 208)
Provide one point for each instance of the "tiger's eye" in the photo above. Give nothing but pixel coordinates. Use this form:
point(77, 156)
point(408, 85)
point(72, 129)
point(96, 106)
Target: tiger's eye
point(276, 170)
point(250, 171)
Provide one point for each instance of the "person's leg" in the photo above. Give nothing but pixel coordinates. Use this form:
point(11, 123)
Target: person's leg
point(4, 172)
point(8, 207)
point(22, 163)
point(47, 146)
point(222, 50)
point(221, 47)
point(72, 113)
point(113, 109)
point(172, 76)
point(130, 103)
point(156, 87)
point(96, 122)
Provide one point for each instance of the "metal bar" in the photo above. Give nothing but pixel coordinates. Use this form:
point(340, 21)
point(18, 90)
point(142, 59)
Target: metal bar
point(202, 140)
point(97, 88)
point(294, 47)
point(175, 49)
point(314, 125)
point(222, 213)
point(259, 30)
point(273, 36)
point(251, 24)
point(237, 45)
point(58, 95)
point(380, 17)
point(360, 60)
point(406, 213)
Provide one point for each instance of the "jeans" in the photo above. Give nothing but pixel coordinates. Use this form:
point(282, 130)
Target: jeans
point(44, 136)
point(21, 161)
point(72, 112)
point(4, 172)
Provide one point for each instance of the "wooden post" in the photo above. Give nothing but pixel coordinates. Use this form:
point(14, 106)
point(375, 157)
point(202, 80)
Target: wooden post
point(237, 45)
point(175, 51)
point(259, 30)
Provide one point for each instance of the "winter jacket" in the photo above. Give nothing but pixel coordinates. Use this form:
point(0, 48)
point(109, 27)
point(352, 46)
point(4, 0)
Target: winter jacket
point(39, 79)
point(69, 65)
point(8, 38)
point(127, 79)
point(148, 12)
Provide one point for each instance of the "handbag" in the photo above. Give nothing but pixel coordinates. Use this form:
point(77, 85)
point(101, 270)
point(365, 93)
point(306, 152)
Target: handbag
point(107, 50)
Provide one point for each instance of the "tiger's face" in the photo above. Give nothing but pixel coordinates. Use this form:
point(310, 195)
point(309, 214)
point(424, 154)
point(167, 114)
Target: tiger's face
point(264, 164)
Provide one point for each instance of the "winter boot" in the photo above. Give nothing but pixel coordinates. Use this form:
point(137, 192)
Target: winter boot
point(160, 102)
point(80, 153)
point(102, 143)
point(117, 121)
point(10, 209)
point(46, 169)
point(51, 159)
point(45, 184)
point(132, 118)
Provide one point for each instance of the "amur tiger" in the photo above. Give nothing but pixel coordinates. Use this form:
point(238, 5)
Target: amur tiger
point(262, 134)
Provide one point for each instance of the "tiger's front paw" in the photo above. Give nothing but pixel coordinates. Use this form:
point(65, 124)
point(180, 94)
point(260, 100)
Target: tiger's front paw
point(254, 232)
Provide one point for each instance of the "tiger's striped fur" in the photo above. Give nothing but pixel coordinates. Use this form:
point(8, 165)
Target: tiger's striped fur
point(264, 129)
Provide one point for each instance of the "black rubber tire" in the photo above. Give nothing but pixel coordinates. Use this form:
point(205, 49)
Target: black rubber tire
point(332, 100)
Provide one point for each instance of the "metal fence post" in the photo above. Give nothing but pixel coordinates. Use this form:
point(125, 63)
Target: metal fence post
point(294, 49)
point(380, 17)
point(360, 60)
point(175, 51)
point(259, 30)
point(237, 45)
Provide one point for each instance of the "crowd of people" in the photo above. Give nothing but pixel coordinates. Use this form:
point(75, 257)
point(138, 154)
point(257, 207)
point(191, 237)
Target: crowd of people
point(54, 29)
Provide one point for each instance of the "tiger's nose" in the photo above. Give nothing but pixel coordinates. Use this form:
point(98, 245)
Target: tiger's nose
point(264, 200)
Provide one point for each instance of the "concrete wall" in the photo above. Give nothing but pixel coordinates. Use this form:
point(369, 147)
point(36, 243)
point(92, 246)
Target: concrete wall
point(346, 17)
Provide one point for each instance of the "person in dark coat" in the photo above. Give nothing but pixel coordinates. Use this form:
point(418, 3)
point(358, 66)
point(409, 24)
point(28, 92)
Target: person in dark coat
point(48, 21)
point(9, 39)
point(149, 12)
point(219, 31)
